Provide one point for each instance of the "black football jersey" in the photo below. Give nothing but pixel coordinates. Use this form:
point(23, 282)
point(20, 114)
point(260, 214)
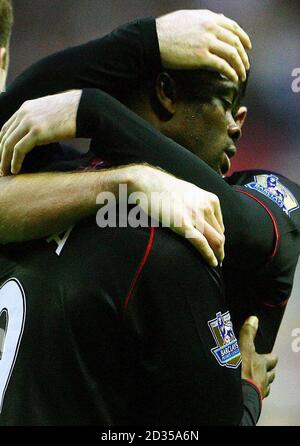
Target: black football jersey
point(115, 326)
point(266, 291)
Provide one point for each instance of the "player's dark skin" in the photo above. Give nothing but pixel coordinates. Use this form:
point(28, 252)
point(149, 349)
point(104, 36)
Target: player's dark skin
point(203, 125)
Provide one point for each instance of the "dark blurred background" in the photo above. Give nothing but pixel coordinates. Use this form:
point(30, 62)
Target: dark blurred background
point(272, 132)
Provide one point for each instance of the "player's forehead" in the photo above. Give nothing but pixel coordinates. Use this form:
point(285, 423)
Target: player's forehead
point(227, 87)
point(221, 86)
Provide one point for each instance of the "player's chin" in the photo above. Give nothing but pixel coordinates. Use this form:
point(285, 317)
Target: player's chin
point(225, 165)
point(220, 167)
point(222, 170)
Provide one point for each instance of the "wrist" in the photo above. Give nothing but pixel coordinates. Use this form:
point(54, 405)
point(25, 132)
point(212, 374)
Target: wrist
point(137, 177)
point(163, 36)
point(248, 376)
point(70, 100)
point(255, 386)
point(109, 180)
point(159, 32)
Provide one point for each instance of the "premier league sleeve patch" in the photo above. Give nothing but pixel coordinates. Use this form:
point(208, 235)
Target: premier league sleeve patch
point(227, 351)
point(270, 186)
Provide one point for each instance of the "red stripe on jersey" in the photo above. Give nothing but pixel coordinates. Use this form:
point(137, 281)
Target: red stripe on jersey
point(281, 304)
point(140, 268)
point(271, 216)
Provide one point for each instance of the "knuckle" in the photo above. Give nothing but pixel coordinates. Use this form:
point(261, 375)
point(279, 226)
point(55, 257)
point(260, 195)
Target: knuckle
point(221, 65)
point(219, 242)
point(236, 42)
point(24, 107)
point(210, 40)
point(35, 130)
point(6, 146)
point(235, 26)
point(203, 52)
point(4, 128)
point(27, 104)
point(186, 222)
point(28, 122)
point(208, 211)
point(248, 327)
point(19, 150)
point(209, 25)
point(3, 140)
point(211, 195)
point(217, 245)
point(201, 243)
point(233, 54)
point(215, 199)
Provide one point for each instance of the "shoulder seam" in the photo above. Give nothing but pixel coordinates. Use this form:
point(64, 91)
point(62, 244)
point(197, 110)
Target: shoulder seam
point(276, 229)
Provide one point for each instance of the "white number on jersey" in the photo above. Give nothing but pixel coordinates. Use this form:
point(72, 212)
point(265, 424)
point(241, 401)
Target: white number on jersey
point(13, 304)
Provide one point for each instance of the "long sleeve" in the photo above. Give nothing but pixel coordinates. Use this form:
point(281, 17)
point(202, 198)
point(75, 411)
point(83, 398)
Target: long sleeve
point(251, 404)
point(123, 137)
point(113, 63)
point(121, 60)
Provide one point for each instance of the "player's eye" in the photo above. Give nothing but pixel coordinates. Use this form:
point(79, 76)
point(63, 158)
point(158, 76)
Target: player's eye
point(227, 105)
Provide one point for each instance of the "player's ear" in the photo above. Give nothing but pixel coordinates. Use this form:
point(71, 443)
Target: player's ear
point(3, 68)
point(165, 90)
point(241, 116)
point(3, 57)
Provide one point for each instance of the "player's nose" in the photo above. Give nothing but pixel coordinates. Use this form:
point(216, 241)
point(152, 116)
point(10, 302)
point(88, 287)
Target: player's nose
point(234, 131)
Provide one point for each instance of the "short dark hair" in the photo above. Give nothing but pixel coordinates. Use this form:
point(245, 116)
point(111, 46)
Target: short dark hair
point(6, 21)
point(191, 85)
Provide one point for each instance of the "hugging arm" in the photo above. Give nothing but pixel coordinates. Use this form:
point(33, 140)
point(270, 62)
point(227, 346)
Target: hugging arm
point(126, 138)
point(249, 228)
point(126, 57)
point(211, 181)
point(109, 63)
point(36, 205)
point(133, 53)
